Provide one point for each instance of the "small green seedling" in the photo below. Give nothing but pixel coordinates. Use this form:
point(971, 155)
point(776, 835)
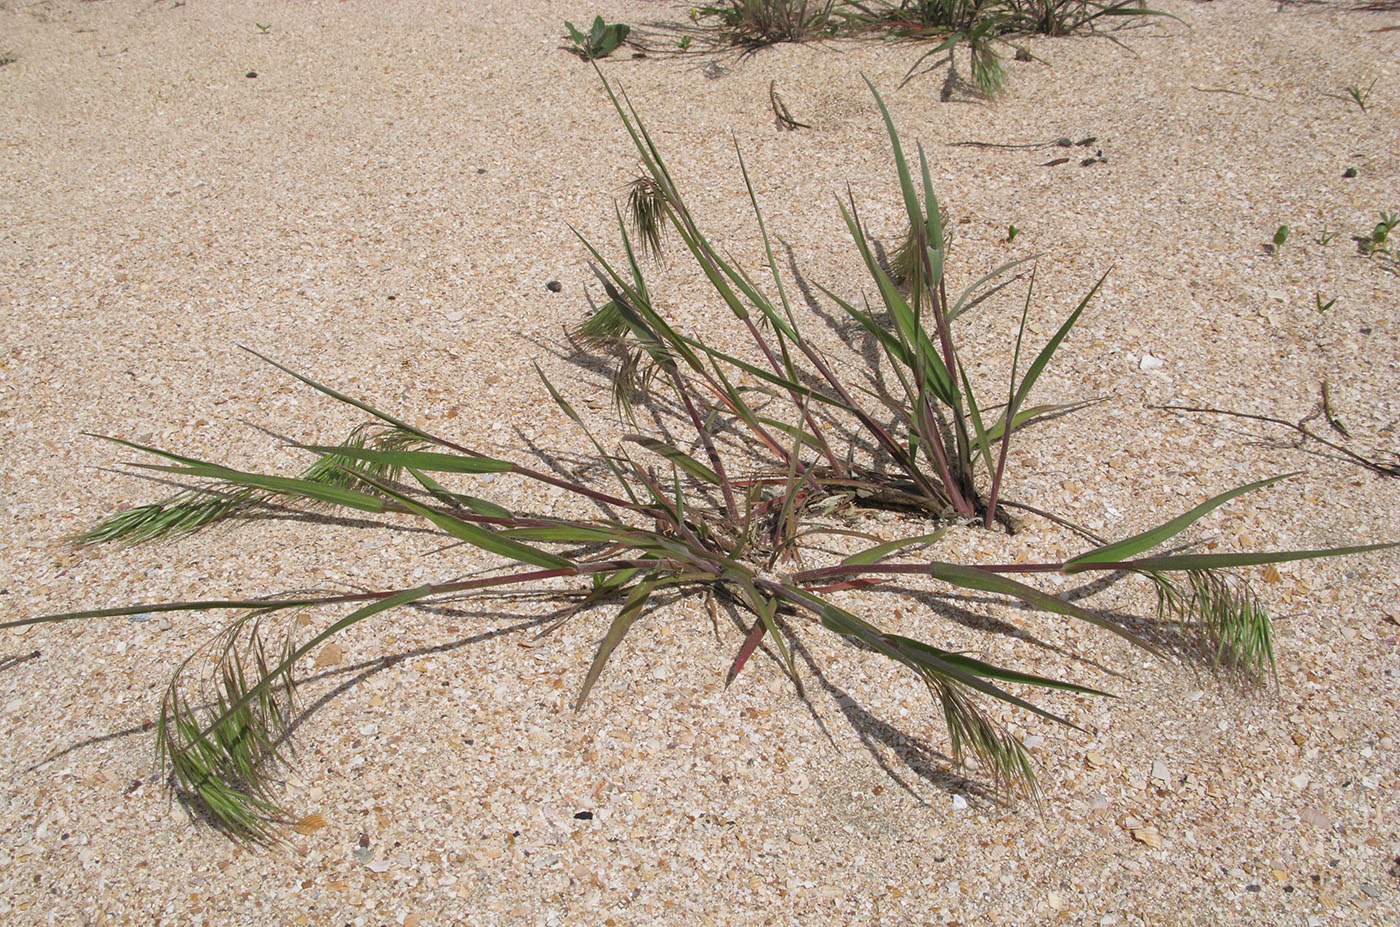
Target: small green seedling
point(1011, 233)
point(601, 40)
point(1280, 236)
point(1323, 307)
point(1358, 96)
point(683, 43)
point(1380, 235)
point(1326, 237)
point(262, 30)
point(1379, 240)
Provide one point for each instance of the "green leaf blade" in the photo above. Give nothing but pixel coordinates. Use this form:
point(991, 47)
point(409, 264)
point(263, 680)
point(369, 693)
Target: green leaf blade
point(1129, 547)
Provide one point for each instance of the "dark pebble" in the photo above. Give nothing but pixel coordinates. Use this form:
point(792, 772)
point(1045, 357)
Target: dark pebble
point(1349, 172)
point(554, 286)
point(393, 296)
point(1366, 330)
point(583, 815)
point(251, 74)
point(481, 170)
point(1251, 887)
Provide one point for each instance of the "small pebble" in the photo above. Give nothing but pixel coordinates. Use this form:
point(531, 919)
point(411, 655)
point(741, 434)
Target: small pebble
point(554, 286)
point(310, 824)
point(251, 74)
point(1148, 836)
point(1349, 172)
point(959, 803)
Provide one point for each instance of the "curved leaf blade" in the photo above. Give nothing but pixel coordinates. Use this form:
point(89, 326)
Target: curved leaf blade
point(1129, 547)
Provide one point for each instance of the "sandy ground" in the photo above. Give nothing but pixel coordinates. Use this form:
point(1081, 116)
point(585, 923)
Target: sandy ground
point(382, 205)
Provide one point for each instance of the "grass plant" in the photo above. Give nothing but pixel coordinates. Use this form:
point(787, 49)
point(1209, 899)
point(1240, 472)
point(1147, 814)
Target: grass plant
point(986, 25)
point(1024, 17)
point(704, 516)
point(982, 26)
point(228, 711)
point(1359, 95)
point(944, 453)
point(753, 24)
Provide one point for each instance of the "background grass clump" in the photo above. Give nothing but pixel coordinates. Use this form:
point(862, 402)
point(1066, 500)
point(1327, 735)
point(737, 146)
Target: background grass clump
point(984, 27)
